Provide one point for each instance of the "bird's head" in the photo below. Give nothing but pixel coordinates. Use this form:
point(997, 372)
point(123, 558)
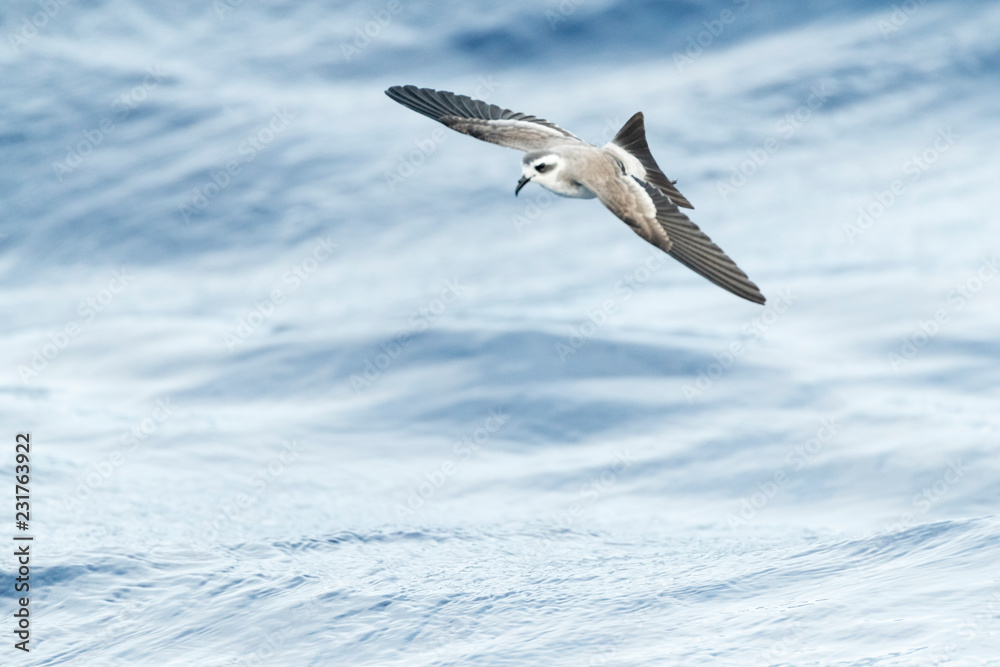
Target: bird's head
point(541, 167)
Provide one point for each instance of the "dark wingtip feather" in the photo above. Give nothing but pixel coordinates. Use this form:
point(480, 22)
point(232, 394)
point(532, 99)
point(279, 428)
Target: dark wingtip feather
point(437, 104)
point(694, 249)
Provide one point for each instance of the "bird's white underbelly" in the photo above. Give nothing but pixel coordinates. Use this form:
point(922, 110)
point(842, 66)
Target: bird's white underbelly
point(570, 189)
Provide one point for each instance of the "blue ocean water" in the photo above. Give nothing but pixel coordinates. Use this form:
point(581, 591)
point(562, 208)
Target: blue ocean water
point(307, 385)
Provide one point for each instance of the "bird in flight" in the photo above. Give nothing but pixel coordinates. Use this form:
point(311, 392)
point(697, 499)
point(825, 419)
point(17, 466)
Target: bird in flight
point(622, 174)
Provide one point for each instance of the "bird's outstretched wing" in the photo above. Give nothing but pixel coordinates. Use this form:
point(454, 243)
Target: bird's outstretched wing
point(482, 120)
point(651, 215)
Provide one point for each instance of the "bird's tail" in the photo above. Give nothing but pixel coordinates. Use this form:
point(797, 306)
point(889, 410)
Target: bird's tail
point(632, 139)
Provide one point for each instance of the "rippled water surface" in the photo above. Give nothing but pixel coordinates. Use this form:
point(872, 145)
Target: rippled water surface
point(307, 385)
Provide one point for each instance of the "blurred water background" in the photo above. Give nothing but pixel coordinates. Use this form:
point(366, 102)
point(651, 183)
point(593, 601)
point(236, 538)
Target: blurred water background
point(307, 385)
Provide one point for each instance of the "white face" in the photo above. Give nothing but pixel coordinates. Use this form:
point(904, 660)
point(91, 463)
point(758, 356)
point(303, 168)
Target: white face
point(550, 171)
point(541, 169)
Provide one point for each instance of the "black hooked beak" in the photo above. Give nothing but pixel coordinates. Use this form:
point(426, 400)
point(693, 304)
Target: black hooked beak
point(521, 183)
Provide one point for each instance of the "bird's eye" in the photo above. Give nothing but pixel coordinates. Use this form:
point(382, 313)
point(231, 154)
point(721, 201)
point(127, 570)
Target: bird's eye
point(541, 167)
